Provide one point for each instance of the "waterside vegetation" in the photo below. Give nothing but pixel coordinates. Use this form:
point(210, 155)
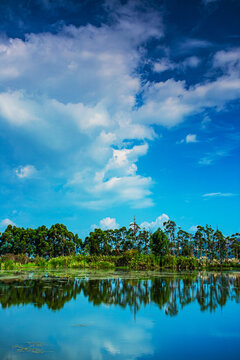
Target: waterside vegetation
point(132, 248)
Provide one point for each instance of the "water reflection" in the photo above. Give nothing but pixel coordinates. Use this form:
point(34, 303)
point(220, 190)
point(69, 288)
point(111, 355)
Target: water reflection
point(170, 293)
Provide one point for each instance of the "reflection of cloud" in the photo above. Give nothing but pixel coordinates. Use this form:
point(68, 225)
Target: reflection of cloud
point(127, 340)
point(111, 348)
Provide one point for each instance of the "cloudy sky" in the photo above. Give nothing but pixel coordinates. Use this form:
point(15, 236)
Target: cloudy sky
point(110, 109)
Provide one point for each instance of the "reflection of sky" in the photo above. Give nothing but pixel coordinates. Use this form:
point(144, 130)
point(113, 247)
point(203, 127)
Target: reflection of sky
point(113, 332)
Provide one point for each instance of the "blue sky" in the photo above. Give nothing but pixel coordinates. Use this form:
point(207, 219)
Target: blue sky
point(111, 109)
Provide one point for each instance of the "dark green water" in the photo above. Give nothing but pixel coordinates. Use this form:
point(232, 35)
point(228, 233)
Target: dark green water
point(119, 315)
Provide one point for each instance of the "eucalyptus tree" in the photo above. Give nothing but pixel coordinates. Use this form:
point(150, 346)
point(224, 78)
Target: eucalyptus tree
point(96, 242)
point(144, 240)
point(133, 232)
point(235, 245)
point(170, 229)
point(184, 241)
point(208, 230)
point(61, 240)
point(110, 235)
point(117, 239)
point(228, 241)
point(220, 242)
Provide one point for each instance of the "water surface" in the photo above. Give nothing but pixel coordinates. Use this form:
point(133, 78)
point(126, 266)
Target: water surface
point(77, 315)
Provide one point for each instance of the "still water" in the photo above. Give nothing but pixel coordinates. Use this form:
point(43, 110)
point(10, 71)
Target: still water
point(76, 315)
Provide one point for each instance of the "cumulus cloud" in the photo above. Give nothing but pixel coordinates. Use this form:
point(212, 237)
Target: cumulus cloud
point(25, 171)
point(155, 224)
point(228, 61)
point(73, 94)
point(6, 222)
point(191, 138)
point(106, 224)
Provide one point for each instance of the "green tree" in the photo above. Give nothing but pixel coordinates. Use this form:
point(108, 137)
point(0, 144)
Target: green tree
point(159, 243)
point(170, 229)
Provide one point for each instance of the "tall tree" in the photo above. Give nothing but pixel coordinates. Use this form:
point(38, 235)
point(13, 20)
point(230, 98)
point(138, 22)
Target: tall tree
point(170, 229)
point(159, 243)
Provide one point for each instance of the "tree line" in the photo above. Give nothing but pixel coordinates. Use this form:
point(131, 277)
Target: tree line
point(170, 240)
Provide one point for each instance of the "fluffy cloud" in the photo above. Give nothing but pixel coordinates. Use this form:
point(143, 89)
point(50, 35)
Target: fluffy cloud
point(25, 171)
point(73, 95)
point(191, 138)
point(163, 64)
point(6, 222)
point(106, 224)
point(155, 224)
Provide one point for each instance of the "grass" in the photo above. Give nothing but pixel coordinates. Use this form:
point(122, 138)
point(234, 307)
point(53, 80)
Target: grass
point(128, 260)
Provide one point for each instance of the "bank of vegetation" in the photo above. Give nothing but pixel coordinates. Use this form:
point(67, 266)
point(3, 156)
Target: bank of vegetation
point(132, 248)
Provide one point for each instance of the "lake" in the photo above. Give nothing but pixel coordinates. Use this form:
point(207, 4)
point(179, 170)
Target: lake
point(103, 315)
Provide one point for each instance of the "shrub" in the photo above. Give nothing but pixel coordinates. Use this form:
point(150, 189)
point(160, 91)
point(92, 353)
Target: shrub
point(39, 261)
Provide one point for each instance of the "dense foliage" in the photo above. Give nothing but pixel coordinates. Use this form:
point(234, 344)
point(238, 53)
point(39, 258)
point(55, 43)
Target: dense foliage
point(171, 243)
point(42, 241)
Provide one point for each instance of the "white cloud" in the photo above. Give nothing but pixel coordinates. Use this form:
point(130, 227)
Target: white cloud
point(191, 138)
point(192, 62)
point(205, 121)
point(155, 224)
point(108, 223)
point(116, 182)
point(27, 171)
point(193, 229)
point(6, 222)
point(112, 349)
point(190, 44)
point(219, 194)
point(84, 114)
point(229, 61)
point(163, 64)
point(16, 108)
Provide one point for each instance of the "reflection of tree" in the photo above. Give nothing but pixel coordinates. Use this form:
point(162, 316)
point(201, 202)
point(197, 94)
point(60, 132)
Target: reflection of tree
point(53, 292)
point(170, 293)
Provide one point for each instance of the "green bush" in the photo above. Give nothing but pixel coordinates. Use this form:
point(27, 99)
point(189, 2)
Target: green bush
point(41, 262)
point(102, 265)
point(8, 265)
point(169, 262)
